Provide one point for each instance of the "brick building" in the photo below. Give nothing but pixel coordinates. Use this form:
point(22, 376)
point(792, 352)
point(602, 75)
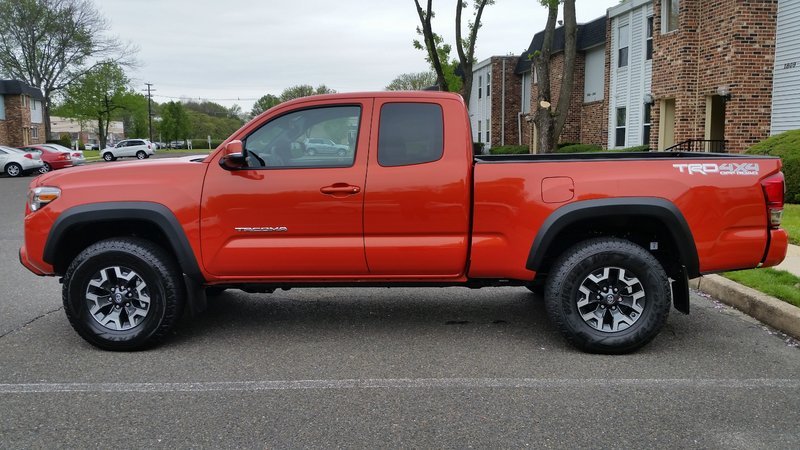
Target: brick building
point(713, 66)
point(661, 72)
point(494, 102)
point(20, 114)
point(588, 104)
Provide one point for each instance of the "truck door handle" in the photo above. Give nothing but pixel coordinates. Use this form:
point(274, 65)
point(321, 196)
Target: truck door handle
point(340, 189)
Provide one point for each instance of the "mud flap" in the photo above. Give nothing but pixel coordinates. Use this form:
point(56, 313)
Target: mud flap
point(680, 291)
point(195, 296)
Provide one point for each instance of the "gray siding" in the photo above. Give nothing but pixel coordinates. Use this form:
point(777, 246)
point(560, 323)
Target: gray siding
point(786, 87)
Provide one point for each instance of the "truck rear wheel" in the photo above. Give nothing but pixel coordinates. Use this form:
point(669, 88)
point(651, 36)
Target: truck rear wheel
point(608, 295)
point(123, 294)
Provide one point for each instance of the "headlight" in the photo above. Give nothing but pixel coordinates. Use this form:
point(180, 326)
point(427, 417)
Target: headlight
point(41, 196)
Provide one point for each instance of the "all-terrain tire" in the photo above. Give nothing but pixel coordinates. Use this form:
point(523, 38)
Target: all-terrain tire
point(148, 272)
point(595, 266)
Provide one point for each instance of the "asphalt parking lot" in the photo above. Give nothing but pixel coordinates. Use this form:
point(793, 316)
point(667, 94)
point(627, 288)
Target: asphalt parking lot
point(368, 368)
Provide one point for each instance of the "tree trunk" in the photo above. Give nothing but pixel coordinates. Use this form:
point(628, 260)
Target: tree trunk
point(570, 41)
point(430, 43)
point(46, 118)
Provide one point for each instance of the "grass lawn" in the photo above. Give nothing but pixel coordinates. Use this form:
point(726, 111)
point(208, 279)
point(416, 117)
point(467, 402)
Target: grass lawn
point(791, 222)
point(777, 283)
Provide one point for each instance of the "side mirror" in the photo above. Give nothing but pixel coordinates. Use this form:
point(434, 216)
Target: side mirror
point(233, 156)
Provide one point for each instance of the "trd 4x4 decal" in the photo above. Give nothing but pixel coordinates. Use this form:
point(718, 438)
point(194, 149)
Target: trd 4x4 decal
point(721, 169)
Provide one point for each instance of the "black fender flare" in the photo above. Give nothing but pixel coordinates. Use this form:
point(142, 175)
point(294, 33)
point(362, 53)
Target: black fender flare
point(155, 213)
point(658, 208)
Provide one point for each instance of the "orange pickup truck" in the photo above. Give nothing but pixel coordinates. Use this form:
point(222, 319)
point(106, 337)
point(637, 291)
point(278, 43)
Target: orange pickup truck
point(609, 238)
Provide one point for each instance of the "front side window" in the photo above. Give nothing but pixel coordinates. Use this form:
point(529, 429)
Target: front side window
point(620, 130)
point(318, 137)
point(410, 133)
point(670, 15)
point(624, 39)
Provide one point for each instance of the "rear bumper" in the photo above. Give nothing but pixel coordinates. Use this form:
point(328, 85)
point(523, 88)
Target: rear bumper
point(778, 245)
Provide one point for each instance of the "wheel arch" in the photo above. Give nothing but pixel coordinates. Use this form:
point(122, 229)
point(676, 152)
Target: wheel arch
point(68, 235)
point(657, 218)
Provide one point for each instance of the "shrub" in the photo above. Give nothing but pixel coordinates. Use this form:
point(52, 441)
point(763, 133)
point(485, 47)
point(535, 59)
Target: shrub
point(787, 147)
point(65, 140)
point(202, 144)
point(783, 144)
point(566, 144)
point(638, 148)
point(579, 148)
point(509, 150)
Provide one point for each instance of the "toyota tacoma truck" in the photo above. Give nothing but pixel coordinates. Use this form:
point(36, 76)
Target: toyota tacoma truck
point(609, 238)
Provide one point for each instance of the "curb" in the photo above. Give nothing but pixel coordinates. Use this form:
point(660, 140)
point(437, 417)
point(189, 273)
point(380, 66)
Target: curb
point(769, 310)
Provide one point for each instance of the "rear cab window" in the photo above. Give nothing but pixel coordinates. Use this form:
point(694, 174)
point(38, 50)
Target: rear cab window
point(410, 133)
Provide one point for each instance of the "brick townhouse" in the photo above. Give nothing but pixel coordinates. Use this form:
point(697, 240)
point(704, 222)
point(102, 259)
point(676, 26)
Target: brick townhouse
point(661, 72)
point(20, 114)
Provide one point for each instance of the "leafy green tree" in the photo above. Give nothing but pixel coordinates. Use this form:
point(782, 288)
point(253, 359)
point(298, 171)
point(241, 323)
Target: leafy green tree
point(549, 118)
point(52, 43)
point(208, 108)
point(100, 94)
point(264, 103)
point(304, 90)
point(412, 81)
point(174, 124)
point(134, 115)
point(438, 52)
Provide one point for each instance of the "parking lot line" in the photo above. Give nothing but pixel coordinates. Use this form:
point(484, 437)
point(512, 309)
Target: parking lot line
point(398, 383)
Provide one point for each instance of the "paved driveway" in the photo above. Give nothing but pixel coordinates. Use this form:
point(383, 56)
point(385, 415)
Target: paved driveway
point(383, 368)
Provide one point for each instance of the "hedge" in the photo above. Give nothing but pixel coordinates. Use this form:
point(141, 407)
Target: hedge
point(579, 148)
point(787, 147)
point(638, 148)
point(509, 150)
point(202, 144)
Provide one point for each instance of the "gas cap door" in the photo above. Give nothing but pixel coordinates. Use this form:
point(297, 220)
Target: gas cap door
point(557, 189)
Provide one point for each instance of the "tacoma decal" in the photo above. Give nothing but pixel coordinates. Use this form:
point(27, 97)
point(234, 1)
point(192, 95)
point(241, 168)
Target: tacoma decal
point(721, 169)
point(261, 229)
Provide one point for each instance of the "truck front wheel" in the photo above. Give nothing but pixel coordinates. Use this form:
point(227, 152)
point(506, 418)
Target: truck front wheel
point(608, 295)
point(123, 294)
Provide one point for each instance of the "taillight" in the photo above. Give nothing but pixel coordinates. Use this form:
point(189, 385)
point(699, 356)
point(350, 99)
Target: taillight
point(774, 188)
point(28, 155)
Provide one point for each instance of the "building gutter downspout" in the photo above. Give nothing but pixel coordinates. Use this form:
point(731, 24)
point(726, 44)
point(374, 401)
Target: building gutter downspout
point(503, 108)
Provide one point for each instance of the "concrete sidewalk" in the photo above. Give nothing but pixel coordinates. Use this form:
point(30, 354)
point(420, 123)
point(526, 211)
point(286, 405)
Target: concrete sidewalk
point(792, 262)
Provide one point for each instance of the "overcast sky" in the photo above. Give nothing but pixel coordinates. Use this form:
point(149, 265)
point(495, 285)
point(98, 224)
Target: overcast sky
point(234, 51)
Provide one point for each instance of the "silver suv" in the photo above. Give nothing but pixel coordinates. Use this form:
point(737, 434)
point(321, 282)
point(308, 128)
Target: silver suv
point(324, 146)
point(129, 148)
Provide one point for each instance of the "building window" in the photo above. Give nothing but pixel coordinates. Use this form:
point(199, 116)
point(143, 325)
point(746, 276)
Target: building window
point(619, 140)
point(480, 87)
point(646, 121)
point(488, 84)
point(2, 108)
point(649, 42)
point(479, 131)
point(35, 132)
point(624, 40)
point(670, 15)
point(33, 105)
point(487, 131)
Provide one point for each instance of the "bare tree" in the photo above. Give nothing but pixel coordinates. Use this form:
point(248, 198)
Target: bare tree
point(467, 58)
point(550, 119)
point(51, 43)
point(431, 44)
point(438, 51)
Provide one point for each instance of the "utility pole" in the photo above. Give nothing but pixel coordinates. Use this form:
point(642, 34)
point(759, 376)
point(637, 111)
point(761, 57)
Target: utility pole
point(150, 109)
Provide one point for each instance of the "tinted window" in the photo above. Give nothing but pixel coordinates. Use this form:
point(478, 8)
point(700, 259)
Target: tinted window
point(410, 133)
point(294, 139)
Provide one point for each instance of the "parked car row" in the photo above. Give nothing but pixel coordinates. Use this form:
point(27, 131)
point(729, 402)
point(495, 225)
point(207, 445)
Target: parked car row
point(16, 162)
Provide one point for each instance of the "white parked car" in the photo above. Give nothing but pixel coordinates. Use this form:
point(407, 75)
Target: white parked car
point(129, 148)
point(16, 162)
point(76, 155)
